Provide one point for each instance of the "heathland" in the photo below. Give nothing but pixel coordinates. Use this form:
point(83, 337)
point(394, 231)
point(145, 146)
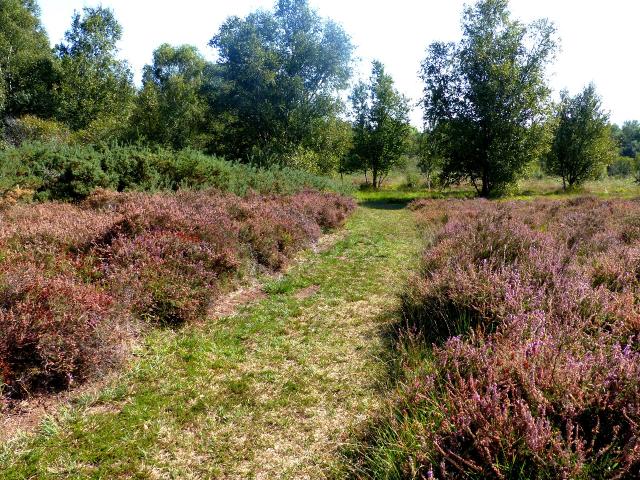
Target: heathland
point(226, 272)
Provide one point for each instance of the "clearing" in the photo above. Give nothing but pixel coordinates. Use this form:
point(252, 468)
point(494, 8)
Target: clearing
point(270, 391)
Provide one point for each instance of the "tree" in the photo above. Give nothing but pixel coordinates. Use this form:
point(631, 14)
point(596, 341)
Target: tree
point(381, 124)
point(279, 72)
point(628, 136)
point(27, 70)
point(171, 109)
point(429, 162)
point(95, 84)
point(485, 97)
point(328, 143)
point(583, 143)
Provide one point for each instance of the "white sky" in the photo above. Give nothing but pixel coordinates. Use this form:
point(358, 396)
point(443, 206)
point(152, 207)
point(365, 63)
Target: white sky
point(600, 40)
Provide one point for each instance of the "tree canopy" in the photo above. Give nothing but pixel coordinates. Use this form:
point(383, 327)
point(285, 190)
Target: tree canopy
point(171, 108)
point(275, 95)
point(381, 124)
point(628, 136)
point(280, 71)
point(582, 143)
point(94, 83)
point(486, 96)
point(27, 72)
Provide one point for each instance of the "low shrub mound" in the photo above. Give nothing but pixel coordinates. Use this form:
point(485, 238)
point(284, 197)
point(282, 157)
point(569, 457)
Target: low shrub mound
point(52, 331)
point(533, 311)
point(73, 276)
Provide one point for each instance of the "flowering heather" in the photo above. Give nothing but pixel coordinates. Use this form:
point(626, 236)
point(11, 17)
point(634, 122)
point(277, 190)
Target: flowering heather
point(70, 273)
point(534, 312)
point(52, 330)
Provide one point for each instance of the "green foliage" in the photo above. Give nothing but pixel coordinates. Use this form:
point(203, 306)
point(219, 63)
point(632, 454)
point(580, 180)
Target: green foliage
point(628, 137)
point(635, 168)
point(171, 109)
point(429, 162)
point(94, 82)
point(27, 71)
point(277, 77)
point(485, 96)
point(621, 167)
point(328, 144)
point(53, 171)
point(33, 129)
point(582, 144)
point(64, 172)
point(381, 125)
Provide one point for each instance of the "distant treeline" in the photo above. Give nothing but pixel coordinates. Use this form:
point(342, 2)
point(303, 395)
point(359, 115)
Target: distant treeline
point(273, 97)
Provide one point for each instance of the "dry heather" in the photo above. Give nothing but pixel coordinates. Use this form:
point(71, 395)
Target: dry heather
point(72, 275)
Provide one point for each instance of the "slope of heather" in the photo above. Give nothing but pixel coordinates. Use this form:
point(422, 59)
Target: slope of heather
point(534, 315)
point(77, 279)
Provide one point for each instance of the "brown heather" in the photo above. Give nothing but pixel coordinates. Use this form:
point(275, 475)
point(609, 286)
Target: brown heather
point(70, 274)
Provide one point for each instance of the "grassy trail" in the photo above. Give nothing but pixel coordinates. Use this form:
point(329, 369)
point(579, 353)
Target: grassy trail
point(269, 392)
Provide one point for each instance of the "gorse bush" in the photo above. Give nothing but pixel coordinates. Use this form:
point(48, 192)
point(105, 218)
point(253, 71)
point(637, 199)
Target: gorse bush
point(534, 372)
point(55, 171)
point(76, 278)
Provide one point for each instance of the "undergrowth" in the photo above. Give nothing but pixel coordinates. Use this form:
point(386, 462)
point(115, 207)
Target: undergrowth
point(51, 171)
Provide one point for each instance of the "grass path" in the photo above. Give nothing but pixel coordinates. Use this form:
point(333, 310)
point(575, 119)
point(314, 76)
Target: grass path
point(270, 392)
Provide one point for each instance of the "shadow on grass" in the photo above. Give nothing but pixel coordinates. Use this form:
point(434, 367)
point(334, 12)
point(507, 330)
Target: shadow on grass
point(388, 203)
point(399, 199)
point(402, 351)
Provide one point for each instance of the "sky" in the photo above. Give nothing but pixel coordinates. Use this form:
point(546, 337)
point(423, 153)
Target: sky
point(599, 40)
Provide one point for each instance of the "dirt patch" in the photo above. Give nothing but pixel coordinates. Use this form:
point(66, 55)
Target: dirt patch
point(25, 417)
point(326, 242)
point(228, 304)
point(305, 293)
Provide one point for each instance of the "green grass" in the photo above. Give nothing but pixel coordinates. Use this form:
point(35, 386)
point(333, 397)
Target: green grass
point(552, 188)
point(272, 391)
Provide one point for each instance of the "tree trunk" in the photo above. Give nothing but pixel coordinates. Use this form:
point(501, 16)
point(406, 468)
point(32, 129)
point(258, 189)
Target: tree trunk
point(485, 185)
point(374, 174)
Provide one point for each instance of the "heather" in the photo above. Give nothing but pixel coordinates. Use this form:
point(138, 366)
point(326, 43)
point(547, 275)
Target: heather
point(524, 356)
point(77, 279)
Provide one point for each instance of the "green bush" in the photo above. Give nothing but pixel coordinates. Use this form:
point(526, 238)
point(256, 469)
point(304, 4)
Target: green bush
point(63, 172)
point(621, 167)
point(53, 171)
point(33, 129)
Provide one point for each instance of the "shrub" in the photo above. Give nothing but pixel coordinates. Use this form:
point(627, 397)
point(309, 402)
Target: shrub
point(63, 172)
point(54, 171)
point(169, 253)
point(621, 167)
point(534, 310)
point(53, 331)
point(33, 129)
point(72, 273)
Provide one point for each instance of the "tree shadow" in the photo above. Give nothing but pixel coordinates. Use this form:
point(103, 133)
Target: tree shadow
point(388, 203)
